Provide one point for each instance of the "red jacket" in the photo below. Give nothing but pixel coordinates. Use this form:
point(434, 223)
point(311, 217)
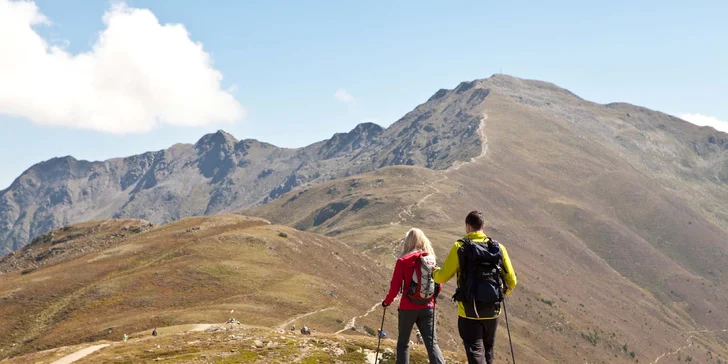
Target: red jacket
point(403, 270)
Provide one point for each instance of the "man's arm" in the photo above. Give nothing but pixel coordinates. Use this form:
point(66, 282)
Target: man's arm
point(510, 274)
point(449, 268)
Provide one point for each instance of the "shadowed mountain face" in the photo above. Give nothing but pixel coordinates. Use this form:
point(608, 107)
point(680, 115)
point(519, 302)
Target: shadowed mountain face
point(220, 173)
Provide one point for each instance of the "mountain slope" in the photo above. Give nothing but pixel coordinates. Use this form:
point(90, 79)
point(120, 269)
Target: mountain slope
point(220, 173)
point(616, 241)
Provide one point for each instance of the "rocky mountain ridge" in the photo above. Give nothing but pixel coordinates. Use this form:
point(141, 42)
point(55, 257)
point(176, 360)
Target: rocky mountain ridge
point(220, 173)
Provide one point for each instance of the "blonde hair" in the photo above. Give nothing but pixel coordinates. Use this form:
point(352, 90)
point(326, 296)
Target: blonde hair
point(416, 240)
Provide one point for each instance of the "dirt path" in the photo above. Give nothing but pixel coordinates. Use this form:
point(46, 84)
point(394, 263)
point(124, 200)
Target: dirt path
point(352, 322)
point(690, 343)
point(201, 327)
point(296, 318)
point(68, 359)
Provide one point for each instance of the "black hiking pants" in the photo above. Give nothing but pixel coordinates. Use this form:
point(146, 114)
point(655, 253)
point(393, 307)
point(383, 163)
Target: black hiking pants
point(479, 339)
point(424, 319)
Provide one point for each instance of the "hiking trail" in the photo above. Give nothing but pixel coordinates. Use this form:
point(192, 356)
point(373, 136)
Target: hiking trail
point(689, 341)
point(402, 216)
point(349, 325)
point(298, 317)
point(201, 327)
point(68, 359)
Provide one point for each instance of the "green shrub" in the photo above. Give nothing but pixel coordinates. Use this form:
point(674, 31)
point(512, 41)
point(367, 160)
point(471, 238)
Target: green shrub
point(592, 337)
point(545, 300)
point(370, 331)
point(282, 234)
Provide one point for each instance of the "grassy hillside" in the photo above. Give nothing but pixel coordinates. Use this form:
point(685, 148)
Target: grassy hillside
point(192, 271)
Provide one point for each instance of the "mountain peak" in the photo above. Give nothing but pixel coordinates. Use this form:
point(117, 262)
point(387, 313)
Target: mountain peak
point(367, 127)
point(217, 138)
point(521, 86)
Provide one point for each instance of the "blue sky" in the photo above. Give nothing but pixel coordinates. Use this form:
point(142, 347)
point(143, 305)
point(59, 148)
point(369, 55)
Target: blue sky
point(285, 62)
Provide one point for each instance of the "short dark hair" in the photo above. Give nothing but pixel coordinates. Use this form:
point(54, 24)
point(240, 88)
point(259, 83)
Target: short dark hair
point(475, 220)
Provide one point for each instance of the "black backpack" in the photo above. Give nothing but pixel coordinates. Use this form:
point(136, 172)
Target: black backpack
point(480, 283)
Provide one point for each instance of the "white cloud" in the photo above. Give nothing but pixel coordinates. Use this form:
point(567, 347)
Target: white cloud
point(705, 120)
point(343, 95)
point(138, 75)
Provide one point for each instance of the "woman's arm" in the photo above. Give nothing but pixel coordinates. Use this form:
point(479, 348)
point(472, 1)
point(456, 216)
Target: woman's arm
point(396, 284)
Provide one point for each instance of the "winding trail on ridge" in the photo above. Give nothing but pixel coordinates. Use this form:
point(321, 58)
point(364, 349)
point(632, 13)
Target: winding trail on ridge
point(456, 166)
point(689, 341)
point(296, 318)
point(408, 211)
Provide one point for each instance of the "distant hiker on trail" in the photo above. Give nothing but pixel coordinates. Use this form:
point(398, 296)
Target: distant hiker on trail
point(485, 276)
point(155, 333)
point(293, 328)
point(419, 337)
point(305, 330)
point(413, 273)
point(125, 337)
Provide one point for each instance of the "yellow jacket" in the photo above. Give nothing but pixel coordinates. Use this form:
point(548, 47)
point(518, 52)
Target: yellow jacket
point(451, 267)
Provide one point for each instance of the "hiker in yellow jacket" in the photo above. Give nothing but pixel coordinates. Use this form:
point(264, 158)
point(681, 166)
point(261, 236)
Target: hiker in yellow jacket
point(477, 332)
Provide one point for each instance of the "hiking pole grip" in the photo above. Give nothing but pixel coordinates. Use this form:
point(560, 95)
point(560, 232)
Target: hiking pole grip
point(508, 326)
point(379, 335)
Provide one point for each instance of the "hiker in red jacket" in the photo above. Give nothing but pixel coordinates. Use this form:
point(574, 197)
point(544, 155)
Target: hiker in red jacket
point(416, 249)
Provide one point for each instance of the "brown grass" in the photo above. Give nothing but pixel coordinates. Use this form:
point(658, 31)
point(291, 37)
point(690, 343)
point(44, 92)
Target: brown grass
point(175, 274)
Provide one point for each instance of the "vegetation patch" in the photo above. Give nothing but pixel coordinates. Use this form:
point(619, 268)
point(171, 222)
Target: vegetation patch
point(545, 300)
point(243, 356)
point(592, 337)
point(370, 331)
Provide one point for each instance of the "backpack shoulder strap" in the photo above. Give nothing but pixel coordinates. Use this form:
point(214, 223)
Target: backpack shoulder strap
point(501, 265)
point(496, 244)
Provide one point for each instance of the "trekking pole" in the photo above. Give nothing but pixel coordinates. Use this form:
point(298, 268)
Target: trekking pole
point(434, 317)
point(379, 335)
point(505, 310)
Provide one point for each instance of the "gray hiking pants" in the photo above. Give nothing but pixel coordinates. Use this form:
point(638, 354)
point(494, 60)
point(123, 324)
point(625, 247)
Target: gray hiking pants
point(424, 319)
